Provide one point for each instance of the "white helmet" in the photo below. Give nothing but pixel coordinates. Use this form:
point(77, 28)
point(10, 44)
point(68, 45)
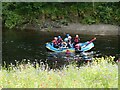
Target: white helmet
point(69, 37)
point(77, 36)
point(55, 38)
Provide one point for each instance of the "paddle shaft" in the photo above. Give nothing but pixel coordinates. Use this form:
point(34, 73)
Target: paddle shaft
point(90, 41)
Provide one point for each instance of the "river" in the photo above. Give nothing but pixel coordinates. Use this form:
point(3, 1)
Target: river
point(19, 45)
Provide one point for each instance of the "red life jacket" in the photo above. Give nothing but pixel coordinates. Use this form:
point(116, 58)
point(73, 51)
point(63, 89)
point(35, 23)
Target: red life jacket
point(54, 42)
point(60, 40)
point(76, 40)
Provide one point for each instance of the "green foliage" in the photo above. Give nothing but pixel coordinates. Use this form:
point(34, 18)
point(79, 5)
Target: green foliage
point(13, 20)
point(17, 13)
point(101, 73)
point(89, 20)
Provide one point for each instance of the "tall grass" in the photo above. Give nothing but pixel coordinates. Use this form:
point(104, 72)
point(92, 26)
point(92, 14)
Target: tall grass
point(101, 73)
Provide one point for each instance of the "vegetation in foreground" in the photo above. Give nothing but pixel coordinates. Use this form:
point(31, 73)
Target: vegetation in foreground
point(101, 73)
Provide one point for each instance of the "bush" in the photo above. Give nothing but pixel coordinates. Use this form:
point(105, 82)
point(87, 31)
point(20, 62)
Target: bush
point(85, 13)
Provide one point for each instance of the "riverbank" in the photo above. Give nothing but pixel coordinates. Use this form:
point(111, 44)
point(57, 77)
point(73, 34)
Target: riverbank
point(101, 73)
point(76, 28)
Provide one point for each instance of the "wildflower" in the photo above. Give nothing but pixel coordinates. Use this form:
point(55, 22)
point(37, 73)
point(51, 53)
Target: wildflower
point(46, 84)
point(41, 85)
point(56, 84)
point(50, 78)
point(8, 82)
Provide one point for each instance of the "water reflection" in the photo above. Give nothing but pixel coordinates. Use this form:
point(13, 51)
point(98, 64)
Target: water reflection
point(61, 59)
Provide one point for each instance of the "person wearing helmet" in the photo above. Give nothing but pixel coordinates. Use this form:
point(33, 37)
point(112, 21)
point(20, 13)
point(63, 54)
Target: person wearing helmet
point(69, 41)
point(69, 38)
point(55, 42)
point(66, 38)
point(76, 40)
point(59, 40)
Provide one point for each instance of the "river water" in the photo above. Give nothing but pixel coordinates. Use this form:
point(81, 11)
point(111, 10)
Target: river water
point(19, 45)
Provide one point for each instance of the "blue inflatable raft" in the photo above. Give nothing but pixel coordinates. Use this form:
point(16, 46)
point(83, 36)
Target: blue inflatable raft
point(84, 47)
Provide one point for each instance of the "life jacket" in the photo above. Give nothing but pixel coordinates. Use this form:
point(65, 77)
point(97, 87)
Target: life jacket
point(76, 40)
point(54, 42)
point(60, 40)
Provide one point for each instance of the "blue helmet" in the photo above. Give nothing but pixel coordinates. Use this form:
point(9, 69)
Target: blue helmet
point(67, 35)
point(66, 39)
point(59, 36)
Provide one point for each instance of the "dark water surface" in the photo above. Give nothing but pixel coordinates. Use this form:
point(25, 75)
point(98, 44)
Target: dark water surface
point(18, 45)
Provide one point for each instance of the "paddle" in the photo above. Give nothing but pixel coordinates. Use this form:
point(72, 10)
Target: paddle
point(89, 42)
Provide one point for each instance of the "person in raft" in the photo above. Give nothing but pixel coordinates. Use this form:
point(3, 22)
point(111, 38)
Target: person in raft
point(64, 43)
point(59, 40)
point(69, 43)
point(66, 38)
point(77, 47)
point(55, 42)
point(76, 40)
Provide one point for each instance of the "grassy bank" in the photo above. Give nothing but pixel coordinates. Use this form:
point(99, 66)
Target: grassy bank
point(101, 73)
